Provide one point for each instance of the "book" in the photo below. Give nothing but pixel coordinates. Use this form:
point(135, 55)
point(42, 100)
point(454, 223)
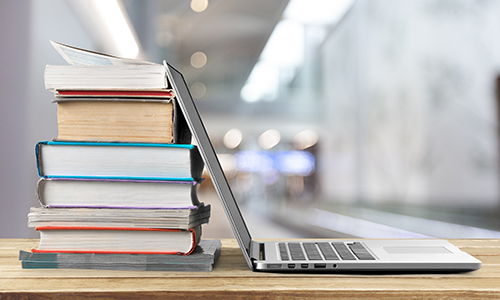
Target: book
point(96, 71)
point(146, 120)
point(133, 161)
point(106, 77)
point(115, 193)
point(104, 217)
point(126, 240)
point(202, 259)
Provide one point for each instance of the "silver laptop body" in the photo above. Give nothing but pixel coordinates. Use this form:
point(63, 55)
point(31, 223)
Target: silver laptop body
point(321, 255)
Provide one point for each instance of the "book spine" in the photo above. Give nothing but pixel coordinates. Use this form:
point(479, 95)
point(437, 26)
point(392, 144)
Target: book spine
point(196, 164)
point(38, 153)
point(39, 191)
point(182, 134)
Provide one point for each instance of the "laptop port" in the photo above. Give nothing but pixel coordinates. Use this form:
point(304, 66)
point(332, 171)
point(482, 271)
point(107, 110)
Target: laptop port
point(319, 266)
point(335, 266)
point(304, 266)
point(291, 266)
point(274, 266)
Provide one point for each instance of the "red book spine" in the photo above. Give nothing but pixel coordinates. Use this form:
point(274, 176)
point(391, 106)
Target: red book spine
point(110, 93)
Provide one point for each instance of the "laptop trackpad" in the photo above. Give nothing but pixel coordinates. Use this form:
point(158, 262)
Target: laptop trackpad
point(417, 250)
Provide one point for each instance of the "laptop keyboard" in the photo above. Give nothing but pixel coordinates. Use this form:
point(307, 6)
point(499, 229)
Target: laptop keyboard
point(324, 251)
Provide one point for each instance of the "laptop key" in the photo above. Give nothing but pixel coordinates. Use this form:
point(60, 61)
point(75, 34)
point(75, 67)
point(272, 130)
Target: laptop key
point(283, 252)
point(361, 252)
point(296, 251)
point(343, 251)
point(327, 251)
point(311, 251)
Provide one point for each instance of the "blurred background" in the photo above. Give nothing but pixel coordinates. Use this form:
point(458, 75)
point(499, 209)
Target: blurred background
point(345, 118)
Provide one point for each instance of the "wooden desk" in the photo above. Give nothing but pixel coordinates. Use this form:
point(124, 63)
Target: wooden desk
point(231, 278)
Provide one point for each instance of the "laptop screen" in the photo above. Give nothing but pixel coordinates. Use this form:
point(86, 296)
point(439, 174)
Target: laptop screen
point(210, 159)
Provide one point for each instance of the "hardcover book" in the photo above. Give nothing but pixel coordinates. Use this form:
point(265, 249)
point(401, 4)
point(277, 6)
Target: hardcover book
point(115, 193)
point(134, 161)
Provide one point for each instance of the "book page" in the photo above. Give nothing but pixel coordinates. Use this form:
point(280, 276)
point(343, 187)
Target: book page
point(77, 56)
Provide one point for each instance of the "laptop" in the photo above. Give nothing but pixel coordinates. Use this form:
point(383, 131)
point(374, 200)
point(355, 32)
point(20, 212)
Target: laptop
point(334, 255)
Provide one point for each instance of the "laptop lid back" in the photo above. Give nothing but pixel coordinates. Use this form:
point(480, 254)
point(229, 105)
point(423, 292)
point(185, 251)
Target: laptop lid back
point(210, 159)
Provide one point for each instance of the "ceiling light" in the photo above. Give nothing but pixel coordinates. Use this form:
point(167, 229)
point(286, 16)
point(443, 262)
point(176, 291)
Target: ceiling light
point(318, 12)
point(198, 90)
point(233, 138)
point(284, 51)
point(262, 83)
point(114, 20)
point(305, 139)
point(198, 60)
point(269, 139)
point(285, 47)
point(199, 5)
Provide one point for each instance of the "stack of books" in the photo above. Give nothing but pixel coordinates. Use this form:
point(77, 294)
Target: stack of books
point(118, 185)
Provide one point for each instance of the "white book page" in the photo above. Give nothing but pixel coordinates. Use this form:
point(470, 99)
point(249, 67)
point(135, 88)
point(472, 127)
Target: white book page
point(77, 56)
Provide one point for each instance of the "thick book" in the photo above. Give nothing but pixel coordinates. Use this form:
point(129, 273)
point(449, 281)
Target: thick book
point(106, 217)
point(115, 193)
point(146, 120)
point(202, 259)
point(124, 240)
point(132, 161)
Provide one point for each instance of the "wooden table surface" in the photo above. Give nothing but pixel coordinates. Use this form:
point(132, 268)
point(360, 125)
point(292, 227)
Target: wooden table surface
point(233, 279)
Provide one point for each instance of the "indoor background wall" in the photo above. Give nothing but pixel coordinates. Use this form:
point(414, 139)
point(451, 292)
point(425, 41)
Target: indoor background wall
point(410, 91)
point(27, 114)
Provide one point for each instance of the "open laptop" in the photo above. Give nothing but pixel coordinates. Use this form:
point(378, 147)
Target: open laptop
point(311, 255)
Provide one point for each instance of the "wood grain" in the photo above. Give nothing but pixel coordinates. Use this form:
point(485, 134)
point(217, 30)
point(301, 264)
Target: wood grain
point(232, 278)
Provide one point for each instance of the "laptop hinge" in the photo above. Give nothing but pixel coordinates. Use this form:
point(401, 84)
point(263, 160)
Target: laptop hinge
point(257, 251)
